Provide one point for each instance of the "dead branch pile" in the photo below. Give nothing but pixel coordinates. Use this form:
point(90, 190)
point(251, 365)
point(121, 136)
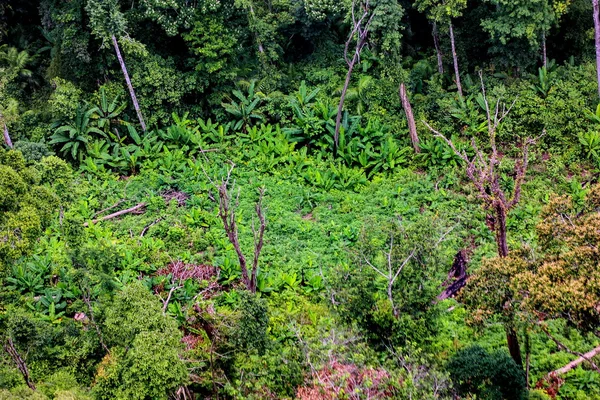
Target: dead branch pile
point(172, 194)
point(182, 271)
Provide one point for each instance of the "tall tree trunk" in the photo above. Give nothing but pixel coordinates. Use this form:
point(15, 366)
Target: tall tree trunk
point(596, 4)
point(455, 60)
point(410, 118)
point(527, 358)
point(544, 51)
point(338, 119)
point(129, 85)
point(438, 50)
point(512, 339)
point(500, 225)
point(513, 345)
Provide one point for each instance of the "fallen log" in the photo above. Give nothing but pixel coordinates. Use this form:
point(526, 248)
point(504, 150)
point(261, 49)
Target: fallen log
point(118, 213)
point(579, 360)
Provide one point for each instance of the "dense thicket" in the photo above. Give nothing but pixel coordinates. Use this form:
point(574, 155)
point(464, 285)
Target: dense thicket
point(299, 199)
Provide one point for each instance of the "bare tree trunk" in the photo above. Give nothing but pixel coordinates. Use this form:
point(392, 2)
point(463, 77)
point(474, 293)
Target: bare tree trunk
point(500, 224)
point(455, 61)
point(596, 4)
point(7, 137)
point(544, 51)
point(410, 118)
point(513, 345)
point(582, 357)
point(10, 348)
point(136, 105)
point(527, 358)
point(438, 50)
point(338, 119)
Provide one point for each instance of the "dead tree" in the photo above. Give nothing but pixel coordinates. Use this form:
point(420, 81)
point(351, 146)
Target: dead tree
point(136, 105)
point(392, 272)
point(10, 348)
point(410, 118)
point(360, 29)
point(482, 170)
point(394, 267)
point(228, 202)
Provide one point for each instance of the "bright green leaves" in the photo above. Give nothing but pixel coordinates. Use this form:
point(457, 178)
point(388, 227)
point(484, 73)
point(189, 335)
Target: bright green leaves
point(106, 19)
point(442, 11)
point(215, 45)
point(75, 136)
point(520, 19)
point(145, 348)
point(25, 207)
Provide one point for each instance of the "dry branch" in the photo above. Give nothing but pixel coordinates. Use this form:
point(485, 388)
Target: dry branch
point(108, 208)
point(133, 209)
point(581, 357)
point(227, 207)
point(10, 348)
point(156, 221)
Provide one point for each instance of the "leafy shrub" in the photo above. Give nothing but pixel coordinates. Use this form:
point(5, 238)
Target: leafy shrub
point(474, 371)
point(33, 151)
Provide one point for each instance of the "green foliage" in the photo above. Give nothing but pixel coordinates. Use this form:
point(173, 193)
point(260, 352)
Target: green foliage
point(25, 206)
point(251, 334)
point(474, 371)
point(74, 137)
point(144, 361)
point(257, 84)
point(243, 109)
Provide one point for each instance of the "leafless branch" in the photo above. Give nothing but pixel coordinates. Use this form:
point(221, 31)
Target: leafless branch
point(227, 207)
point(582, 357)
point(10, 348)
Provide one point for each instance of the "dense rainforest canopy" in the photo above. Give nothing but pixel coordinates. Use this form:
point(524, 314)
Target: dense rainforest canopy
point(241, 199)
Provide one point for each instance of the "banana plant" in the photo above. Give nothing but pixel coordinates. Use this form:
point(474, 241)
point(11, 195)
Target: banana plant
point(303, 98)
point(75, 135)
point(543, 85)
point(107, 113)
point(244, 109)
point(590, 141)
point(593, 116)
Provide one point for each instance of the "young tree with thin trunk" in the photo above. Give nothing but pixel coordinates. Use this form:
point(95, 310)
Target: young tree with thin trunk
point(108, 23)
point(483, 171)
point(438, 49)
point(359, 33)
point(443, 12)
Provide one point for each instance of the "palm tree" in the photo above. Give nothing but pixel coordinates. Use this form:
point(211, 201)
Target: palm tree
point(15, 62)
